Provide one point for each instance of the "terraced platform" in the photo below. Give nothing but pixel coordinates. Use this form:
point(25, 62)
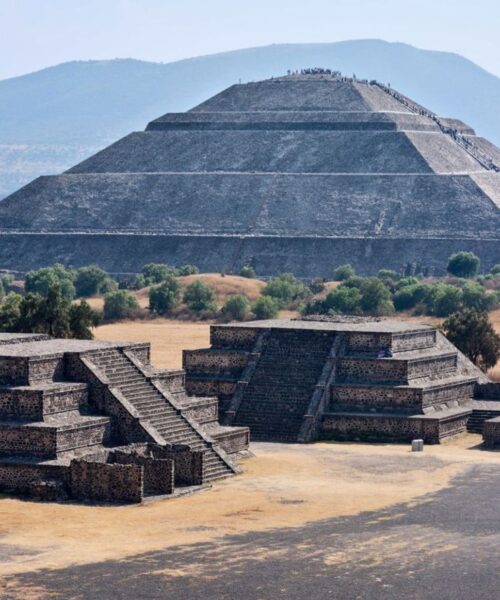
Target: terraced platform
point(92, 420)
point(336, 378)
point(297, 174)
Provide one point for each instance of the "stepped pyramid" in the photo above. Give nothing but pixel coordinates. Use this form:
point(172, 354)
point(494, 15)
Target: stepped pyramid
point(299, 173)
point(339, 377)
point(95, 421)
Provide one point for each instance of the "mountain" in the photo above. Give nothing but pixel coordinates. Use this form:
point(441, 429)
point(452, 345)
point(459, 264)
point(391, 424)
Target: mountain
point(53, 118)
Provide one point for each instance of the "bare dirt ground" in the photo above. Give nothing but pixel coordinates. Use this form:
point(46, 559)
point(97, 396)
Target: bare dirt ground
point(283, 486)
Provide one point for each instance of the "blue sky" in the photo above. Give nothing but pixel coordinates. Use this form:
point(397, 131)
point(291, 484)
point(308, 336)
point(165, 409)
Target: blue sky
point(40, 33)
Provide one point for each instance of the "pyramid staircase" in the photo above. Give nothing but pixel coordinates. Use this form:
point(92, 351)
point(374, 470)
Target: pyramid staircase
point(329, 380)
point(157, 409)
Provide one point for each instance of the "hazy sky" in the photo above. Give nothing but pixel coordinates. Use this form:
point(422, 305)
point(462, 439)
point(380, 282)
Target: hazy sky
point(41, 33)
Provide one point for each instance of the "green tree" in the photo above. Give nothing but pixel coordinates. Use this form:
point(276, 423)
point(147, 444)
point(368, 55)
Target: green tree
point(187, 270)
point(155, 273)
point(236, 308)
point(10, 312)
point(32, 314)
point(266, 307)
point(41, 280)
point(475, 297)
point(285, 288)
point(199, 296)
point(495, 270)
point(463, 264)
point(93, 280)
point(343, 272)
point(119, 305)
point(82, 319)
point(164, 297)
point(56, 313)
point(473, 334)
point(317, 285)
point(2, 290)
point(376, 298)
point(248, 271)
point(343, 300)
point(443, 300)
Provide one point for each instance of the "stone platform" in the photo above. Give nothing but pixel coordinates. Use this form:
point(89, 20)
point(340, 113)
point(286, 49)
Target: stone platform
point(346, 378)
point(94, 421)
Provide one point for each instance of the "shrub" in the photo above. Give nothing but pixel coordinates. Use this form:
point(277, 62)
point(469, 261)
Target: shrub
point(387, 274)
point(187, 270)
point(317, 285)
point(475, 297)
point(473, 334)
point(266, 307)
point(343, 272)
point(343, 300)
point(443, 300)
point(248, 271)
point(495, 270)
point(406, 281)
point(164, 297)
point(199, 296)
point(119, 305)
point(82, 319)
point(236, 308)
point(376, 298)
point(41, 280)
point(155, 273)
point(93, 280)
point(410, 295)
point(134, 282)
point(10, 312)
point(463, 264)
point(285, 288)
point(2, 290)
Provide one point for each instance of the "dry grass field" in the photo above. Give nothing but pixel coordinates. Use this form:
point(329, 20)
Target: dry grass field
point(223, 286)
point(168, 338)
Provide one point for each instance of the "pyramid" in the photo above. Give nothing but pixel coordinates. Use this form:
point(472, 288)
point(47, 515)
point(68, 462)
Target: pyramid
point(297, 174)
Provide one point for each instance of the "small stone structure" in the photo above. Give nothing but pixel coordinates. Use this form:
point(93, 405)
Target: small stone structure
point(94, 421)
point(336, 378)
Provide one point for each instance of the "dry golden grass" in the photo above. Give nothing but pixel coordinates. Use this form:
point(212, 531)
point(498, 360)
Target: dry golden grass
point(223, 287)
point(168, 338)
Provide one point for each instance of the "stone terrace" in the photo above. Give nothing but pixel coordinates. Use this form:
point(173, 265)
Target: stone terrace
point(94, 421)
point(326, 378)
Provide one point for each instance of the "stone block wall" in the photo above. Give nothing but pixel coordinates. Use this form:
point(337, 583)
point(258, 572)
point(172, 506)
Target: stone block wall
point(377, 371)
point(242, 338)
point(91, 479)
point(491, 433)
point(35, 404)
point(216, 361)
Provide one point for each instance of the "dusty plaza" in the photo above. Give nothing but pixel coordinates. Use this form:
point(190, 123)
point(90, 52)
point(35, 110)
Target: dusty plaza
point(298, 519)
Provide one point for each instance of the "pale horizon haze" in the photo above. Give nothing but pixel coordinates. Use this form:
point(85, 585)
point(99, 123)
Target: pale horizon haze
point(36, 34)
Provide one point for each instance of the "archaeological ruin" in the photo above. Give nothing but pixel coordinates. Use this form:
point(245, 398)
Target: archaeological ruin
point(343, 378)
point(296, 174)
point(95, 421)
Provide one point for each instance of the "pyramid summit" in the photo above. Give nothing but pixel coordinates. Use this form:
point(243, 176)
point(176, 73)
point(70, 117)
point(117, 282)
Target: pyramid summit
point(298, 173)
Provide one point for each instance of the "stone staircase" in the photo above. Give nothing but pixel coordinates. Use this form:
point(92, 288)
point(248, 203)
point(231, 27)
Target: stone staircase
point(153, 407)
point(482, 410)
point(277, 397)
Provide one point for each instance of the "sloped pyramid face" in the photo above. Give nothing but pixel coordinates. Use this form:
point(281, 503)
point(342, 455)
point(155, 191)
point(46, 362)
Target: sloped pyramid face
point(300, 173)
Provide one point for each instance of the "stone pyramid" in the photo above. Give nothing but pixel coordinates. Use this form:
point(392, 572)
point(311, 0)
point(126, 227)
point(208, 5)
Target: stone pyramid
point(299, 173)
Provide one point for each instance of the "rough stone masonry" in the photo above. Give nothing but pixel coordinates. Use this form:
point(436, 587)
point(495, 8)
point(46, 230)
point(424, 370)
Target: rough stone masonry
point(297, 174)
